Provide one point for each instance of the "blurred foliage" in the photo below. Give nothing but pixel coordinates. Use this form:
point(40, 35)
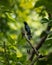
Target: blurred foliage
point(12, 15)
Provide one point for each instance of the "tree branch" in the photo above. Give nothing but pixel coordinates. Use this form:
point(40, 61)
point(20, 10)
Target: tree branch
point(42, 40)
point(37, 58)
point(24, 34)
point(36, 52)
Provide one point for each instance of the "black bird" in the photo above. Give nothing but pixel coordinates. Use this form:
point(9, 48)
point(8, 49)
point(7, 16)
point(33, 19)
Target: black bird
point(27, 29)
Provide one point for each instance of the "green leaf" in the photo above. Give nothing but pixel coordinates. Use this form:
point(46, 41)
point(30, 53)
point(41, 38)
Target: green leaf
point(46, 3)
point(43, 34)
point(49, 60)
point(42, 62)
point(50, 23)
point(48, 44)
point(44, 20)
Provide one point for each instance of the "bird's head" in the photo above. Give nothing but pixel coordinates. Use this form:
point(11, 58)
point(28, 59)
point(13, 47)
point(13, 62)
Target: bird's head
point(25, 22)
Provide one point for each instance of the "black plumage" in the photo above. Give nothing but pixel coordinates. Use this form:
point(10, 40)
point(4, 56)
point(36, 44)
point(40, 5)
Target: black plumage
point(27, 29)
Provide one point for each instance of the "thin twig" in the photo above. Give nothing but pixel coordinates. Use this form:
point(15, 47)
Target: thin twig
point(36, 59)
point(24, 33)
point(36, 52)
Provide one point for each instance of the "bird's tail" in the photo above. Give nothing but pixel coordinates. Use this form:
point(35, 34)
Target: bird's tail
point(29, 37)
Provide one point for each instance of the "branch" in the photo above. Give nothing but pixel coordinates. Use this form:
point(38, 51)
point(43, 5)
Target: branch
point(41, 41)
point(37, 58)
point(24, 34)
point(32, 63)
point(36, 52)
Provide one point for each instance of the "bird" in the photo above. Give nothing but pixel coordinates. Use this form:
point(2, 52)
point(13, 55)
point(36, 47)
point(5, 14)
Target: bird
point(27, 29)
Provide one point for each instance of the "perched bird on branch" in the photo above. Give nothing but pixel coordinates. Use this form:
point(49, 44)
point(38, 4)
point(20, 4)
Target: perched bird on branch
point(27, 29)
